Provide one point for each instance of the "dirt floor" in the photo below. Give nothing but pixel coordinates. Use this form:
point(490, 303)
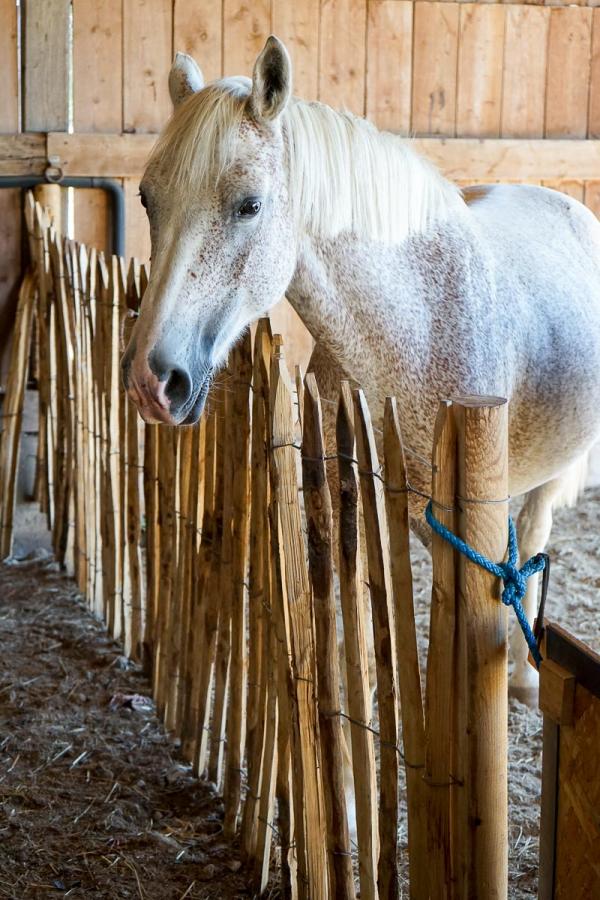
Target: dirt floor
point(94, 802)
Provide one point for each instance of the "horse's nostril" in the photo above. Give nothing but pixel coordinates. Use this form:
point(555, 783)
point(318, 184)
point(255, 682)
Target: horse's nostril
point(178, 387)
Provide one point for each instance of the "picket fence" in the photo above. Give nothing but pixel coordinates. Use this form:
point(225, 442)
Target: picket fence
point(210, 552)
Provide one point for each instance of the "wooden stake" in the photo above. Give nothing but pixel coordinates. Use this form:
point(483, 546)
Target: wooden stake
point(191, 735)
point(407, 654)
point(210, 599)
point(308, 820)
point(481, 861)
point(259, 593)
point(152, 544)
point(12, 411)
point(440, 662)
point(290, 848)
point(222, 601)
point(236, 712)
point(383, 634)
point(317, 502)
point(355, 651)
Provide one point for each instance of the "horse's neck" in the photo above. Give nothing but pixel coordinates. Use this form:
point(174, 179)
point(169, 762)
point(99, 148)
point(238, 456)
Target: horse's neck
point(376, 308)
point(344, 290)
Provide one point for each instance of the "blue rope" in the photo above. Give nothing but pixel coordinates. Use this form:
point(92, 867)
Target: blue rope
point(515, 579)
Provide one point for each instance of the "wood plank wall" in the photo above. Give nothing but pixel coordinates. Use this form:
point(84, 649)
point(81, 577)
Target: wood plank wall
point(424, 68)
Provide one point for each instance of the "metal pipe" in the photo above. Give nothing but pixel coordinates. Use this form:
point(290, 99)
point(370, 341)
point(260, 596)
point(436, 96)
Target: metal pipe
point(112, 188)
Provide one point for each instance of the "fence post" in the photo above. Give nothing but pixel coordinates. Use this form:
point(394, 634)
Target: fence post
point(481, 722)
point(407, 654)
point(355, 650)
point(309, 826)
point(384, 640)
point(440, 692)
point(319, 521)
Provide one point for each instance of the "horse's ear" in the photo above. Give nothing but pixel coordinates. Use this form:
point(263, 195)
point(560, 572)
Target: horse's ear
point(185, 78)
point(271, 81)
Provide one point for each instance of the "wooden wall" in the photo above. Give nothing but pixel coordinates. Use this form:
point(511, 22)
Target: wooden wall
point(442, 69)
point(419, 68)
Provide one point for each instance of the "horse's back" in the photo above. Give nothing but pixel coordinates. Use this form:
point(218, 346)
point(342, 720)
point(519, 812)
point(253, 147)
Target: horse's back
point(535, 220)
point(545, 248)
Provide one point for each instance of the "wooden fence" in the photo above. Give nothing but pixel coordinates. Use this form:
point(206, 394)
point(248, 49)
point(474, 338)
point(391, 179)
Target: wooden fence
point(210, 553)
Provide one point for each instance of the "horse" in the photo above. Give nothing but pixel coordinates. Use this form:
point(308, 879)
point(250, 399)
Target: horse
point(409, 286)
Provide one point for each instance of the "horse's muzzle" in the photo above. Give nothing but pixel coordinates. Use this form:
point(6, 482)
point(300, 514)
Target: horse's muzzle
point(163, 389)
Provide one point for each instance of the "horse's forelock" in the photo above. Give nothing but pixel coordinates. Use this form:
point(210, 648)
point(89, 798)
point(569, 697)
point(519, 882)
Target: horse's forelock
point(198, 143)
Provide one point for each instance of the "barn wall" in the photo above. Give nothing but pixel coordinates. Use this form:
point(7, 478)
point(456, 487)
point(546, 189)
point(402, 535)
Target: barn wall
point(424, 68)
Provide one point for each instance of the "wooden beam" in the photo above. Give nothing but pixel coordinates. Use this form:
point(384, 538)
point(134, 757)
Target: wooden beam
point(22, 154)
point(502, 159)
point(115, 155)
point(461, 159)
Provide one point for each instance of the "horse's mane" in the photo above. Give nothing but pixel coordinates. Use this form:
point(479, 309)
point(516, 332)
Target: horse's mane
point(345, 175)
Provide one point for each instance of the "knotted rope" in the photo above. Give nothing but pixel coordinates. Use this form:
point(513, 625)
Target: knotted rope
point(515, 579)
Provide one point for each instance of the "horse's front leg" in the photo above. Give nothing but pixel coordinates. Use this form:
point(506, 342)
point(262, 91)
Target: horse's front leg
point(533, 528)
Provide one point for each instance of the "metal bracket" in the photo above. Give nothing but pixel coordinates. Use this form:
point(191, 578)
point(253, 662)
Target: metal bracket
point(53, 172)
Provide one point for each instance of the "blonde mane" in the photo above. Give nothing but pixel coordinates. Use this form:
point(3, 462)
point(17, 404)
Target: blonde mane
point(344, 174)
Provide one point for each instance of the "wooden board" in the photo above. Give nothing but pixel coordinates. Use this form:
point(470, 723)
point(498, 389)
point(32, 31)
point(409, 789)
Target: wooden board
point(97, 80)
point(147, 52)
point(112, 155)
point(147, 57)
point(342, 55)
point(594, 110)
point(198, 30)
point(46, 52)
point(461, 159)
point(298, 27)
point(479, 88)
point(246, 28)
point(435, 47)
point(569, 54)
point(389, 64)
point(524, 77)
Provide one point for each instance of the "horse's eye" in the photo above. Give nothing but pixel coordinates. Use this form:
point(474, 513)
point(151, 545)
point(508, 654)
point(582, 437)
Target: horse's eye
point(249, 208)
point(143, 200)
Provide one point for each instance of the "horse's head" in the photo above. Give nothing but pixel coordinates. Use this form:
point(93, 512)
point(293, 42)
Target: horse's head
point(222, 232)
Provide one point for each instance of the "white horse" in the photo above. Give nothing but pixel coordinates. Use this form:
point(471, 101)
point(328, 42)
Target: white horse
point(409, 286)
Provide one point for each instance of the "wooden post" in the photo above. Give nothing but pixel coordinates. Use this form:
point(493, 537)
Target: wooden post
point(319, 518)
point(191, 474)
point(181, 593)
point(481, 752)
point(209, 599)
point(355, 651)
point(236, 712)
point(49, 196)
point(439, 702)
point(152, 544)
point(384, 640)
point(307, 790)
point(259, 620)
point(222, 599)
point(407, 654)
point(195, 713)
point(46, 375)
point(291, 849)
point(12, 412)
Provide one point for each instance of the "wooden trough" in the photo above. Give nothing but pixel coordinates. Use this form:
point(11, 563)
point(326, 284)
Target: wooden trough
point(209, 552)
